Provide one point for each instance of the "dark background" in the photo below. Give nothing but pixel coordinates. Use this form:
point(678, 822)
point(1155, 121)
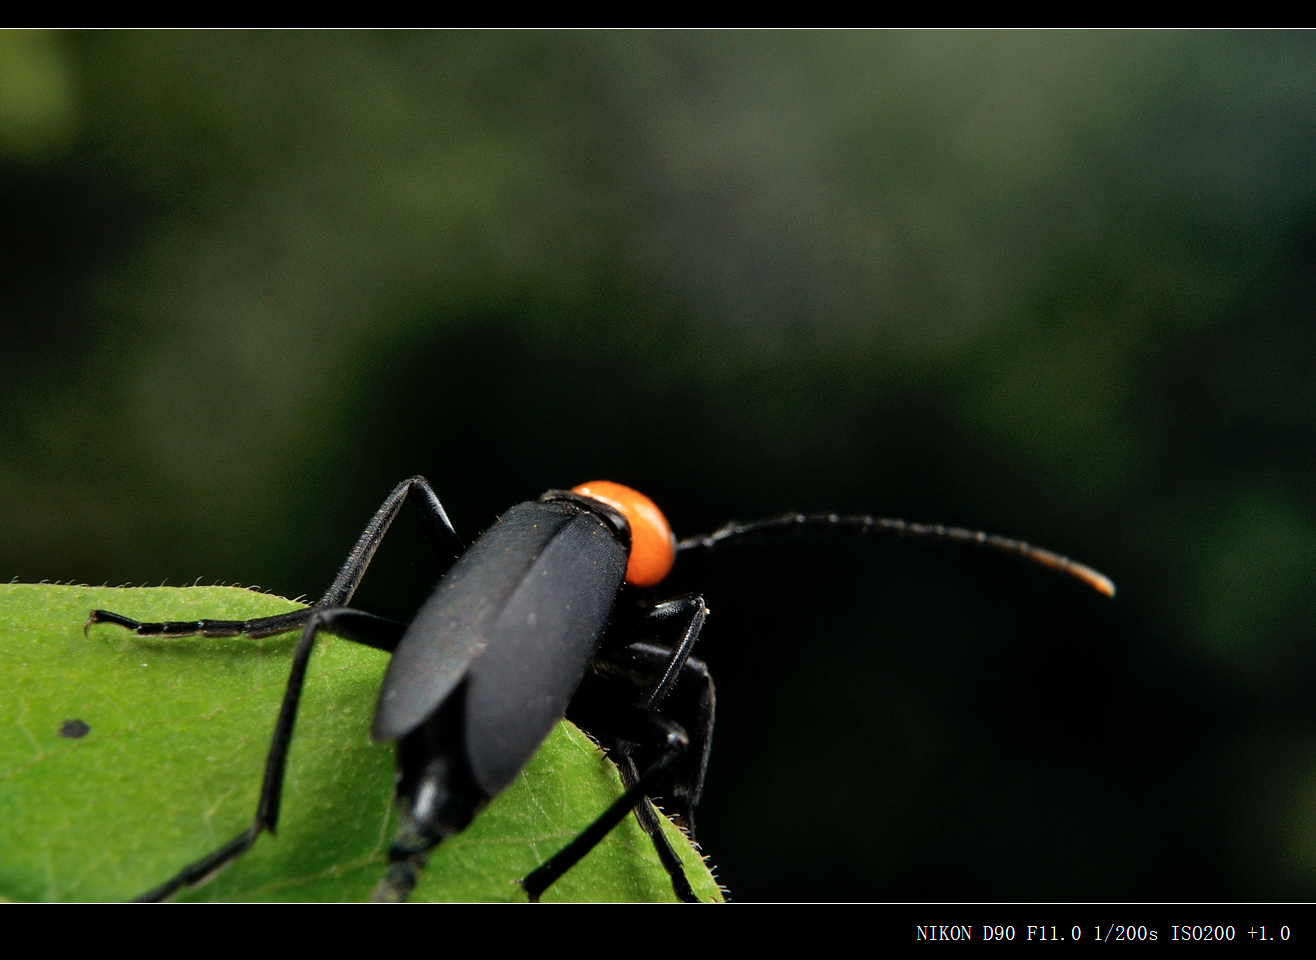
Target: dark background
point(1058, 286)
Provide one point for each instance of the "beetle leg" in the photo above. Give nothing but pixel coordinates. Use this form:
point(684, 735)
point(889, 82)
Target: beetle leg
point(616, 680)
point(692, 703)
point(620, 679)
point(259, 627)
point(691, 605)
point(350, 624)
point(648, 820)
point(443, 538)
point(438, 528)
point(642, 727)
point(628, 625)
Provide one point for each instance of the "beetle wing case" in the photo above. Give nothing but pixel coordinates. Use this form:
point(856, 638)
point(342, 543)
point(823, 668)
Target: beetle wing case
point(521, 613)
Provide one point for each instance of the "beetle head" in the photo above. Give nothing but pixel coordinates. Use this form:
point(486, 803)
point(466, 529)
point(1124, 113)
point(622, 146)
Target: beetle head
point(653, 546)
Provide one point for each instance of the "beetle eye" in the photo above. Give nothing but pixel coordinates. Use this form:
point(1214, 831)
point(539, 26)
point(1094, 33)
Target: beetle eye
point(652, 543)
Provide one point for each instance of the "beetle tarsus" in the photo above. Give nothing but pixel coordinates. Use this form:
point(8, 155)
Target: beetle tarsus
point(104, 616)
point(260, 627)
point(195, 874)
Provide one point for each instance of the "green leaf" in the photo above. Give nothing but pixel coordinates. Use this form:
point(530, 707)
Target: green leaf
point(170, 765)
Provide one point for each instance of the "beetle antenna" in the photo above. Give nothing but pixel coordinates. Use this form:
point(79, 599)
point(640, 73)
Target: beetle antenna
point(900, 528)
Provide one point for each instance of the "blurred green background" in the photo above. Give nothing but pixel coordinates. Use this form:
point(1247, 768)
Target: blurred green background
point(1054, 285)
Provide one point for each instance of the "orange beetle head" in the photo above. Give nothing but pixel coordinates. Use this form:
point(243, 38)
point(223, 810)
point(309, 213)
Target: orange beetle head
point(653, 546)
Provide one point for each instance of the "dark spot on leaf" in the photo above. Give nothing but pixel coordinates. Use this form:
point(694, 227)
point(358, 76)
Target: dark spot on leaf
point(74, 729)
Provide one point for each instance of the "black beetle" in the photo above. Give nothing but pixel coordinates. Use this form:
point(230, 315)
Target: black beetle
point(522, 629)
